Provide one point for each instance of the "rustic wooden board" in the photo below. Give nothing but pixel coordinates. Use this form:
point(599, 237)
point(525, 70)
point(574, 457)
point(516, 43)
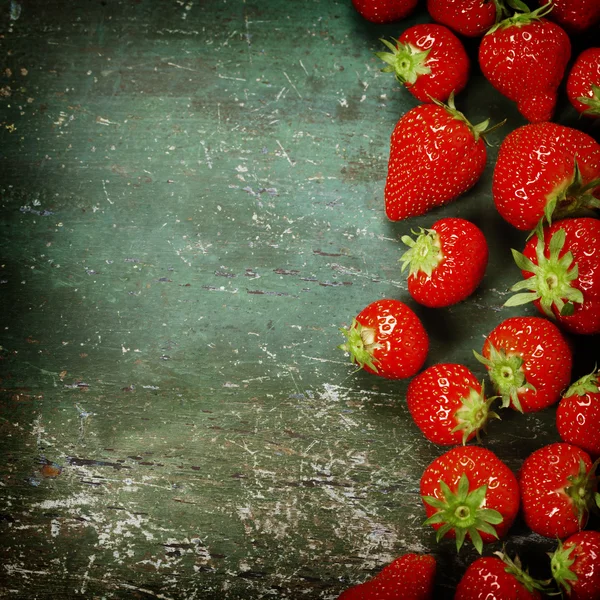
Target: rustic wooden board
point(191, 208)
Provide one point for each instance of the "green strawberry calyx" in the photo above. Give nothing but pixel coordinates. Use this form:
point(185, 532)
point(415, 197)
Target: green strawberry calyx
point(462, 513)
point(524, 16)
point(588, 384)
point(474, 413)
point(560, 565)
point(552, 278)
point(570, 197)
point(406, 61)
point(360, 345)
point(424, 253)
point(515, 568)
point(581, 490)
point(592, 101)
point(507, 374)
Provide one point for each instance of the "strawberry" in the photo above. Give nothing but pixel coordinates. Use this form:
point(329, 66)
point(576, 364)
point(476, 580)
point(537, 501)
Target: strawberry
point(429, 60)
point(557, 489)
point(409, 577)
point(470, 492)
point(561, 270)
point(578, 414)
point(575, 16)
point(524, 57)
point(435, 156)
point(545, 170)
point(576, 566)
point(497, 578)
point(447, 262)
point(447, 403)
point(384, 11)
point(471, 18)
point(583, 82)
point(387, 339)
point(529, 362)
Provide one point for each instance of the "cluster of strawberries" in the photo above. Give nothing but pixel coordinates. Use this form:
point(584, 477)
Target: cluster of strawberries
point(545, 176)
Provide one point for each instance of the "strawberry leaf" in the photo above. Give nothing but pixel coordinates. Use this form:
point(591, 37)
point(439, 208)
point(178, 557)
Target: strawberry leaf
point(424, 253)
point(592, 101)
point(462, 512)
point(360, 345)
point(560, 564)
point(552, 279)
point(507, 375)
point(588, 384)
point(406, 61)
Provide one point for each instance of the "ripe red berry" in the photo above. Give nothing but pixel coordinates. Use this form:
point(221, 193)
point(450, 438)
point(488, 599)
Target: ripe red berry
point(446, 262)
point(561, 274)
point(429, 60)
point(468, 492)
point(576, 566)
point(435, 156)
point(578, 414)
point(410, 576)
point(524, 57)
point(529, 362)
point(545, 171)
point(387, 339)
point(384, 11)
point(557, 490)
point(447, 403)
point(583, 83)
point(498, 578)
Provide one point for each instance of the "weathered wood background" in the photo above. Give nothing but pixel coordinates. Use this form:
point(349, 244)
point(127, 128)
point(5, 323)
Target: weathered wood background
point(191, 196)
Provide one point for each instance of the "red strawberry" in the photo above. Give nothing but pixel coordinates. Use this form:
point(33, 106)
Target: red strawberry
point(435, 156)
point(429, 60)
point(574, 15)
point(497, 578)
point(524, 57)
point(583, 82)
point(384, 11)
point(545, 170)
point(447, 262)
point(447, 403)
point(409, 577)
point(470, 492)
point(578, 414)
point(576, 566)
point(561, 270)
point(557, 490)
point(471, 18)
point(529, 362)
point(387, 339)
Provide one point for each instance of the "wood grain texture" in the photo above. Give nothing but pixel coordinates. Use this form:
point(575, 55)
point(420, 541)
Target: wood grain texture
point(191, 209)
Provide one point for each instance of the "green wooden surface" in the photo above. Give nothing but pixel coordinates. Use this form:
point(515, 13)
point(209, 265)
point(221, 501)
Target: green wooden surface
point(191, 198)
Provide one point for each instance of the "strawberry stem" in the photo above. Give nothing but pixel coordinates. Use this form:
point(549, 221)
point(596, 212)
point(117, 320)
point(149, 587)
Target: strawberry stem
point(462, 513)
point(515, 568)
point(404, 60)
point(360, 345)
point(552, 277)
point(524, 17)
point(479, 130)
